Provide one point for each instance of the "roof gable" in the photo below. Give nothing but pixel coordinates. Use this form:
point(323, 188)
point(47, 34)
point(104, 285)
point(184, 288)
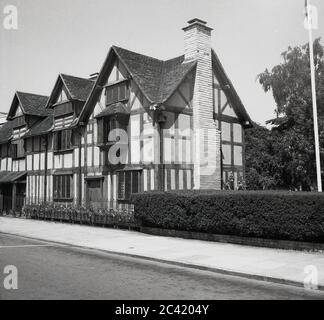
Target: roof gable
point(75, 88)
point(157, 79)
point(30, 104)
point(18, 111)
point(78, 88)
point(230, 91)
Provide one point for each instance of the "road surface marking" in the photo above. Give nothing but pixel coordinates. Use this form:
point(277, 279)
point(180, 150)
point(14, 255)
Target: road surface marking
point(28, 246)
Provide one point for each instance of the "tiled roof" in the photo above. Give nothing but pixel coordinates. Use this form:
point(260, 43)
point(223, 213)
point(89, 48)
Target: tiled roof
point(116, 108)
point(158, 79)
point(5, 132)
point(42, 127)
point(32, 104)
point(79, 88)
point(230, 91)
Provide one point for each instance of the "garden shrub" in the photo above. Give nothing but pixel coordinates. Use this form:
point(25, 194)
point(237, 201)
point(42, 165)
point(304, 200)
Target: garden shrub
point(295, 216)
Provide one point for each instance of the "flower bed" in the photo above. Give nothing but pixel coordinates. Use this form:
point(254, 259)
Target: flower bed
point(81, 215)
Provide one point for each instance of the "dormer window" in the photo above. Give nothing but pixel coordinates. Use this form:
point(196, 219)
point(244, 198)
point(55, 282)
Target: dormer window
point(117, 92)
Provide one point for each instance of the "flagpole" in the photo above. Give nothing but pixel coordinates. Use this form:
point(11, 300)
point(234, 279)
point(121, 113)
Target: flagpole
point(312, 67)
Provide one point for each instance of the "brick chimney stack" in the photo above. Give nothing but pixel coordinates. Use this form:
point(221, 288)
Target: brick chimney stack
point(197, 45)
point(197, 39)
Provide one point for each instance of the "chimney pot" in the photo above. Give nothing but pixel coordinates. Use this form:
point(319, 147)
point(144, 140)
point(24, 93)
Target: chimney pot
point(197, 20)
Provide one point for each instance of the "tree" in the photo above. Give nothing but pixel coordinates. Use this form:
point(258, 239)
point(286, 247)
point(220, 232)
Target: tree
point(292, 150)
point(262, 164)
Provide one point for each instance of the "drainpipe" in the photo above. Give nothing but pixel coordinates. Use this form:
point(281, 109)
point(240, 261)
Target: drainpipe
point(162, 170)
point(45, 178)
point(14, 197)
point(80, 171)
point(79, 132)
point(159, 120)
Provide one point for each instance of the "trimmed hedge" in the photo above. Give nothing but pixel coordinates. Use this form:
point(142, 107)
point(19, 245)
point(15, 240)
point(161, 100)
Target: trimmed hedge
point(262, 214)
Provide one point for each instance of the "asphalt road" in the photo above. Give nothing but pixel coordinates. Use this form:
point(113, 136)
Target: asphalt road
point(51, 271)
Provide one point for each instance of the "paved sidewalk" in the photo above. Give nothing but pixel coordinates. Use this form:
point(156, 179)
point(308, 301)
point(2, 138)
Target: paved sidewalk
point(283, 266)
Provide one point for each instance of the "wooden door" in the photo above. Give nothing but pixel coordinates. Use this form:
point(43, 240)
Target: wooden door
point(20, 196)
point(6, 197)
point(95, 193)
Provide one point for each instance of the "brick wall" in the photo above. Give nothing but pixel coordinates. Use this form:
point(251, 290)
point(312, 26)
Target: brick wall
point(207, 169)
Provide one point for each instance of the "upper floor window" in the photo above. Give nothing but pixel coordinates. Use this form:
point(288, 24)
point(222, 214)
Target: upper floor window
point(90, 127)
point(5, 150)
point(117, 93)
point(110, 128)
point(17, 150)
point(63, 140)
point(63, 109)
point(35, 144)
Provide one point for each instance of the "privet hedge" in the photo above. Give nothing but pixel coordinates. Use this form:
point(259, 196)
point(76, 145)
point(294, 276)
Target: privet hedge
point(262, 214)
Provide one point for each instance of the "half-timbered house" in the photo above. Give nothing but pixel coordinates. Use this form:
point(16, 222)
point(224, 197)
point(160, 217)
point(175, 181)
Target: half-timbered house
point(140, 124)
point(26, 110)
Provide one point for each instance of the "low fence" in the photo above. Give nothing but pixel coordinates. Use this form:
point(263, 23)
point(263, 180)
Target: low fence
point(123, 219)
point(94, 205)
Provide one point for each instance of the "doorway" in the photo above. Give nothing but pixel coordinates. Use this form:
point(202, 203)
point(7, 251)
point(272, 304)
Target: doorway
point(94, 193)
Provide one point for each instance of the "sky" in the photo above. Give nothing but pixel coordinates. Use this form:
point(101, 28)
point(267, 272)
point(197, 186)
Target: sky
point(74, 36)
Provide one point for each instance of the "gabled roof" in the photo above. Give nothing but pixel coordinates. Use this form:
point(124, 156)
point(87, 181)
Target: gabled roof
point(116, 108)
point(42, 127)
point(77, 88)
point(6, 132)
point(230, 91)
point(31, 104)
point(157, 79)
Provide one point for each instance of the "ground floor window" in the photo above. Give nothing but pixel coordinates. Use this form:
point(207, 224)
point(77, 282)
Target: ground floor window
point(128, 183)
point(233, 179)
point(63, 187)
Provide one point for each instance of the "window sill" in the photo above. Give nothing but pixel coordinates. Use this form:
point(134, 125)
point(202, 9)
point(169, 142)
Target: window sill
point(34, 152)
point(107, 144)
point(118, 101)
point(63, 151)
point(124, 201)
point(19, 158)
point(63, 200)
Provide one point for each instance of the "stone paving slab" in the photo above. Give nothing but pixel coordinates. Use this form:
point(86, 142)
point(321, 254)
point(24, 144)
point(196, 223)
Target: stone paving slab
point(283, 266)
